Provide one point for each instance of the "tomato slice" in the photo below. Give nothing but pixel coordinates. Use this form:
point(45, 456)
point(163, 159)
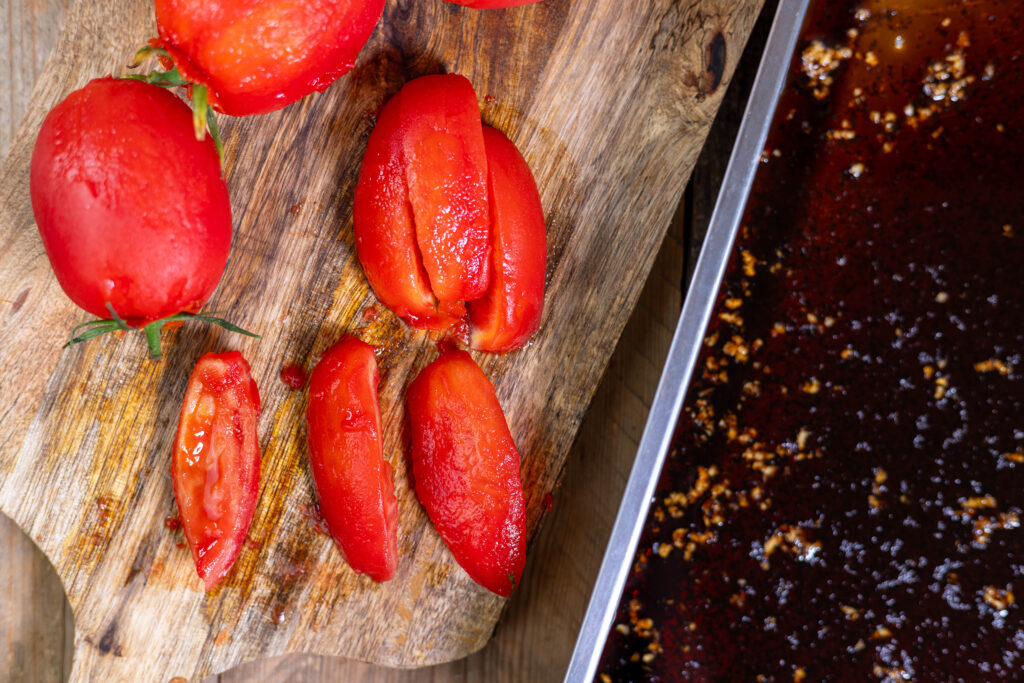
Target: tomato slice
point(385, 235)
point(215, 466)
point(446, 170)
point(466, 470)
point(353, 480)
point(510, 312)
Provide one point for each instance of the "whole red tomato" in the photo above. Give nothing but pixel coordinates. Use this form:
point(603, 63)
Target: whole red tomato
point(257, 56)
point(215, 466)
point(131, 207)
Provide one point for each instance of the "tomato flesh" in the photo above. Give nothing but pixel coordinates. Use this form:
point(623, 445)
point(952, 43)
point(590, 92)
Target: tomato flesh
point(384, 231)
point(510, 312)
point(354, 482)
point(257, 56)
point(131, 208)
point(446, 171)
point(215, 467)
point(466, 470)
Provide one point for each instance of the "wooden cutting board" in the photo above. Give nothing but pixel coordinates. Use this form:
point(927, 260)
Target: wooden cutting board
point(609, 102)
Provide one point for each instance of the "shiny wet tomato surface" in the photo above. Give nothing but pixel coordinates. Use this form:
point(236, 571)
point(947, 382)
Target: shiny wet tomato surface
point(257, 56)
point(131, 208)
point(466, 470)
point(354, 483)
point(215, 466)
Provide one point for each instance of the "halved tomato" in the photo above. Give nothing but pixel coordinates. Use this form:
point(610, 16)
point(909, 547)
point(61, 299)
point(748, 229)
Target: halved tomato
point(215, 467)
point(420, 212)
point(510, 312)
point(446, 170)
point(466, 469)
point(353, 480)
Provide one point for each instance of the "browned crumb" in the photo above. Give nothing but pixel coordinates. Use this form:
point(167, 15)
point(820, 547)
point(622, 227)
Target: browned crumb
point(818, 62)
point(947, 79)
point(998, 599)
point(993, 364)
point(811, 386)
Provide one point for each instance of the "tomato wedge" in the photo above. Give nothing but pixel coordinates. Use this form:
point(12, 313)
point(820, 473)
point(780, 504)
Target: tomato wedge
point(466, 469)
point(446, 171)
point(420, 211)
point(215, 466)
point(353, 480)
point(510, 312)
point(384, 230)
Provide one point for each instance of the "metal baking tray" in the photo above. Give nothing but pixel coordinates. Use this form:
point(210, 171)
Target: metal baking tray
point(688, 338)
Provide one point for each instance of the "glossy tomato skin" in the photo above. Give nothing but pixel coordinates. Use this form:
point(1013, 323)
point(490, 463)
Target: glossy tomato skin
point(257, 56)
point(354, 483)
point(421, 217)
point(131, 208)
point(384, 230)
point(492, 4)
point(445, 166)
point(215, 467)
point(466, 470)
point(510, 312)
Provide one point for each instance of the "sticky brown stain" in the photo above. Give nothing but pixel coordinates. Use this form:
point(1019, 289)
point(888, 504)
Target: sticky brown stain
point(223, 638)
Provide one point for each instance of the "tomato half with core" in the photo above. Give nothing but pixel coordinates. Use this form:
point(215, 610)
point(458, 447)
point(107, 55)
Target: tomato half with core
point(215, 467)
point(510, 312)
point(257, 56)
point(353, 480)
point(466, 469)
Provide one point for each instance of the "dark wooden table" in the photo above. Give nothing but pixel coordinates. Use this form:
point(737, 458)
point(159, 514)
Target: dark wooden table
point(534, 640)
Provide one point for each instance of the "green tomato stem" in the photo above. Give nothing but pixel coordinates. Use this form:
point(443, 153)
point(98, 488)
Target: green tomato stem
point(94, 328)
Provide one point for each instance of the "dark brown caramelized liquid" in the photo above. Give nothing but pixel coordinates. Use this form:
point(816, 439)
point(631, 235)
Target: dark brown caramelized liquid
point(844, 498)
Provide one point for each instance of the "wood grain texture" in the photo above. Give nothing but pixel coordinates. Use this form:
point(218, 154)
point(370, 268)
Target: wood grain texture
point(97, 421)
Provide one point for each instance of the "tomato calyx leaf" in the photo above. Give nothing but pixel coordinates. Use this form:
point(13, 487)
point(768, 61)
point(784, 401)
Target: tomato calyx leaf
point(94, 328)
point(203, 118)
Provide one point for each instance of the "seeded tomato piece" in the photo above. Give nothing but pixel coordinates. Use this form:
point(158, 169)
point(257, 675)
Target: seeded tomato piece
point(510, 312)
point(215, 467)
point(466, 469)
point(353, 480)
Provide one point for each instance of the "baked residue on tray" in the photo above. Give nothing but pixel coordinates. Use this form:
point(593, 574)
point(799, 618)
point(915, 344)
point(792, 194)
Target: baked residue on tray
point(844, 497)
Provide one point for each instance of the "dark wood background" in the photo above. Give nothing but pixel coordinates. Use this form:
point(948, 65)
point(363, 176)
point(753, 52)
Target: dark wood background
point(535, 637)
